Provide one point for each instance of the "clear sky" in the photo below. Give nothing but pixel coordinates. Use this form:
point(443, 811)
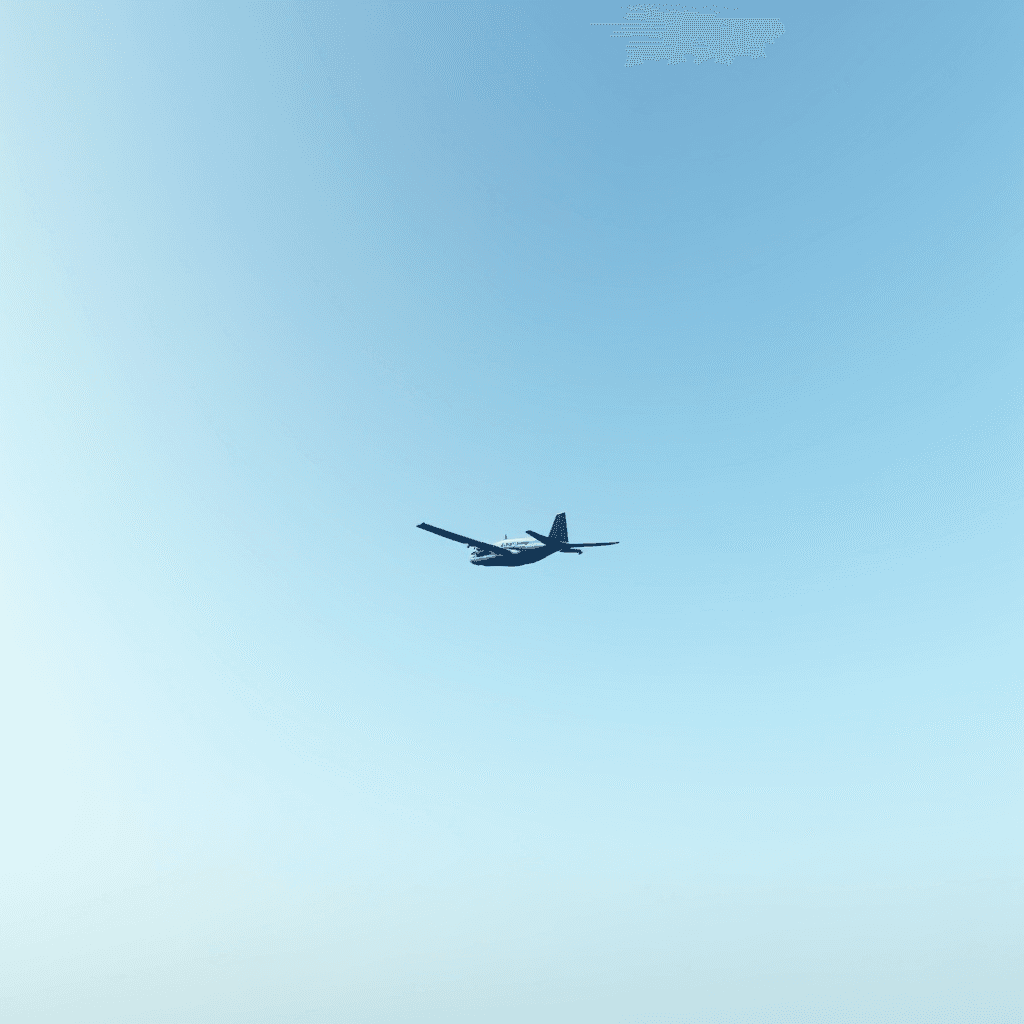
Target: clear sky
point(278, 283)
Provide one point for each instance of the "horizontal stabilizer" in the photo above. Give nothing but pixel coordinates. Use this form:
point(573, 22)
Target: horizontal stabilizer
point(566, 545)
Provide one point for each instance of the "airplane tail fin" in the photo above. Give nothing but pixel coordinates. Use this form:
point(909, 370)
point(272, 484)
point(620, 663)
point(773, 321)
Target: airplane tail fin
point(559, 531)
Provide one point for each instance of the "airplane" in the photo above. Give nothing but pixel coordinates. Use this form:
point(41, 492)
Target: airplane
point(519, 550)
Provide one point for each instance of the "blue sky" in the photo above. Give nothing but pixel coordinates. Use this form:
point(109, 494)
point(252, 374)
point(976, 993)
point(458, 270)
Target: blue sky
point(280, 282)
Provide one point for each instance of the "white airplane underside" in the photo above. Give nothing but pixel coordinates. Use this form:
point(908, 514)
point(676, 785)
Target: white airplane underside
point(520, 550)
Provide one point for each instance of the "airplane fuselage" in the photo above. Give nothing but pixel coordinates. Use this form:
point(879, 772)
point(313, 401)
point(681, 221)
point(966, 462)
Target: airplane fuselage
point(518, 551)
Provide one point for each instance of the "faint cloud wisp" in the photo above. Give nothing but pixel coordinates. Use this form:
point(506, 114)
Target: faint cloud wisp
point(657, 32)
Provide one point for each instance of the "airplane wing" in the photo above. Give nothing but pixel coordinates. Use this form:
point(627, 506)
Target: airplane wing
point(599, 544)
point(459, 539)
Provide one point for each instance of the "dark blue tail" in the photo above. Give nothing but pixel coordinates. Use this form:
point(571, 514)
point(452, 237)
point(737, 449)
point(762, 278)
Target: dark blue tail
point(559, 531)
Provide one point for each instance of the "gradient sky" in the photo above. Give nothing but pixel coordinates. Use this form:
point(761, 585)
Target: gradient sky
point(279, 282)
